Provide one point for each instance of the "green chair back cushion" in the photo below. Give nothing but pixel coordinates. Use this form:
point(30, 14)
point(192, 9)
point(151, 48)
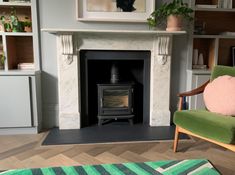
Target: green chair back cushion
point(222, 70)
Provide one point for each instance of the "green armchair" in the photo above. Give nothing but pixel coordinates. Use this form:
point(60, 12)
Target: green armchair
point(203, 124)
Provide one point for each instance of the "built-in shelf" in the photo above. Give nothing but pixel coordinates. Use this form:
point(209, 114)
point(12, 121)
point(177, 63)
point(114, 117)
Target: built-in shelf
point(211, 39)
point(215, 36)
point(20, 49)
point(16, 33)
point(199, 71)
point(23, 4)
point(152, 32)
point(214, 9)
point(19, 72)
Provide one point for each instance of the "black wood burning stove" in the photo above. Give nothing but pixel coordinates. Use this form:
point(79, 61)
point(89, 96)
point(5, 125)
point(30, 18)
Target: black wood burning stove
point(115, 101)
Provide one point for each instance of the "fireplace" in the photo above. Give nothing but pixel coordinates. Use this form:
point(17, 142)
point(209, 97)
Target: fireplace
point(72, 86)
point(115, 101)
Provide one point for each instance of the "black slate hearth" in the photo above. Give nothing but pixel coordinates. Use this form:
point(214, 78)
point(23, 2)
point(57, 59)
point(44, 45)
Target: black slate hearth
point(110, 133)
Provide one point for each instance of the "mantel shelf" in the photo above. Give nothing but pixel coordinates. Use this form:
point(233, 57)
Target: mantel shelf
point(144, 32)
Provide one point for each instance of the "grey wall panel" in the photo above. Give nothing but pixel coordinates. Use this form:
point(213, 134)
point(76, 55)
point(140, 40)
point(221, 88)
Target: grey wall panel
point(15, 106)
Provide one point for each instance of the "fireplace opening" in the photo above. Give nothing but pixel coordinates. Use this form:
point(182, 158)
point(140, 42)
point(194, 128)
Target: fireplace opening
point(115, 85)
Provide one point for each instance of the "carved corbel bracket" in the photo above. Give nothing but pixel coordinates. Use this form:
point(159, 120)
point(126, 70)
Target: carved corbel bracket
point(163, 49)
point(67, 46)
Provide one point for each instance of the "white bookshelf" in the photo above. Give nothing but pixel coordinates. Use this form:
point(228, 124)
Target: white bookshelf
point(21, 85)
point(212, 34)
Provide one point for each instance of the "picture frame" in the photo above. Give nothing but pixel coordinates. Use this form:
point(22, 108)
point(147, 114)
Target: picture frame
point(233, 55)
point(88, 11)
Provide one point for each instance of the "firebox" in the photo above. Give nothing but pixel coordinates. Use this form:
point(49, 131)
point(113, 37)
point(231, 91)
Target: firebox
point(112, 73)
point(115, 101)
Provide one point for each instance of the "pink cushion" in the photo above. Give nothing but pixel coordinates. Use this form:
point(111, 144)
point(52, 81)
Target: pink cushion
point(219, 95)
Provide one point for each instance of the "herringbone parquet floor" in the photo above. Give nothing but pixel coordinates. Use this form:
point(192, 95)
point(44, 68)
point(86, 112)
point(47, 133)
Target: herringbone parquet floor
point(23, 151)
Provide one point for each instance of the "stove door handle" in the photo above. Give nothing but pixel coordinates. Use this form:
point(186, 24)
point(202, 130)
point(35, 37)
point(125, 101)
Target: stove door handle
point(101, 102)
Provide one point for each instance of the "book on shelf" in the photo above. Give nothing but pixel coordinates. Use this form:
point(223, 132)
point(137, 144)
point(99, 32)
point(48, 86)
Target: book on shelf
point(26, 66)
point(228, 33)
point(208, 6)
point(19, 1)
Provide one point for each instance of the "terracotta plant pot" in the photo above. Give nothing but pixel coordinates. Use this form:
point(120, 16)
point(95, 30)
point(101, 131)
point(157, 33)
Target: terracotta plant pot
point(174, 23)
point(27, 29)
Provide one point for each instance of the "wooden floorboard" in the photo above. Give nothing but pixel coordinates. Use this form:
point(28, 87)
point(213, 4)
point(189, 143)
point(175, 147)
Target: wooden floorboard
point(25, 151)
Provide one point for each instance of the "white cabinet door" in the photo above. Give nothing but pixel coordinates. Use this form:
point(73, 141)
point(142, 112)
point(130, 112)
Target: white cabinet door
point(15, 101)
point(197, 101)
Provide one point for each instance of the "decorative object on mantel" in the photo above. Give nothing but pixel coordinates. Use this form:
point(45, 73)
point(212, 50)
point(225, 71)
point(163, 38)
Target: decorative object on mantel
point(67, 47)
point(173, 12)
point(114, 10)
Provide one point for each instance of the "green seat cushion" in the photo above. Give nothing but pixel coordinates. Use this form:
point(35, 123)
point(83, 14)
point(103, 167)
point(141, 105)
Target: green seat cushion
point(207, 124)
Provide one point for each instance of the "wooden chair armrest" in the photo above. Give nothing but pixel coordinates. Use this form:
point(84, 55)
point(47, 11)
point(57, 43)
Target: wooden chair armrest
point(194, 91)
point(190, 93)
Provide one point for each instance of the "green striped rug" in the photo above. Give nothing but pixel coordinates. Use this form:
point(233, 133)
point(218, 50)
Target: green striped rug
point(172, 167)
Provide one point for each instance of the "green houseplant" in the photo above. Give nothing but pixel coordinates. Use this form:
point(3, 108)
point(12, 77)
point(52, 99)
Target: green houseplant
point(11, 23)
point(173, 12)
point(27, 25)
point(17, 25)
point(6, 24)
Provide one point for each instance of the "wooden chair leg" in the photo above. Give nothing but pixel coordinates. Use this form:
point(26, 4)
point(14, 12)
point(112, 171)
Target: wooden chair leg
point(176, 139)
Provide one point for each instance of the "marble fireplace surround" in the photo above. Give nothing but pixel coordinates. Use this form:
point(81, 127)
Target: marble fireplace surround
point(159, 43)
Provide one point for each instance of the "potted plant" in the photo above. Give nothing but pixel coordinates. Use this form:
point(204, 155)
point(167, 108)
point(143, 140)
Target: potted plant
point(173, 12)
point(11, 23)
point(17, 25)
point(27, 25)
point(6, 25)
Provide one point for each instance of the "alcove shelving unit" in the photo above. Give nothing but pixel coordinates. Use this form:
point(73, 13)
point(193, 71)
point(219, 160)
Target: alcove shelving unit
point(20, 92)
point(213, 35)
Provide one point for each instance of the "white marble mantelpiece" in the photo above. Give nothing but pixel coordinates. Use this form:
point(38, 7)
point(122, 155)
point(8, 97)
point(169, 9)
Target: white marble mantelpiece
point(81, 31)
point(69, 72)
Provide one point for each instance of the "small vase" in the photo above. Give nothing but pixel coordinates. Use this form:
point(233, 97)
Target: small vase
point(195, 56)
point(200, 59)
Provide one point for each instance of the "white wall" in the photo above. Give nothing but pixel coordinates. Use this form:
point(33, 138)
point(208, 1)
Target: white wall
point(62, 14)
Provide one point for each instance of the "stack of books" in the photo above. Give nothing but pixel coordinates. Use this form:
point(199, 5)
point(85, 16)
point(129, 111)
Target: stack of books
point(207, 6)
point(26, 66)
point(19, 0)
